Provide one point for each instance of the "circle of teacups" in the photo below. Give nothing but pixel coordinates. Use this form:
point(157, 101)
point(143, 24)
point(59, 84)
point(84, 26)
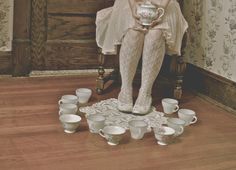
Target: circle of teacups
point(72, 99)
point(67, 108)
point(113, 134)
point(95, 122)
point(164, 134)
point(189, 116)
point(177, 124)
point(83, 95)
point(70, 122)
point(170, 105)
point(137, 128)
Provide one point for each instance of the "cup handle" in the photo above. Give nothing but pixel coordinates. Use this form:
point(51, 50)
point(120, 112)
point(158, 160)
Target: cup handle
point(194, 120)
point(101, 133)
point(176, 109)
point(149, 129)
point(162, 11)
point(181, 130)
point(60, 102)
point(60, 112)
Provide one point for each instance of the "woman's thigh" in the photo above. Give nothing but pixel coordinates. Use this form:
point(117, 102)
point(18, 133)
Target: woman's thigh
point(154, 39)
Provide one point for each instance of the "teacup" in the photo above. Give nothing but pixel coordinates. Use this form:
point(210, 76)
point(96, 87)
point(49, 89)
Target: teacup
point(137, 128)
point(164, 135)
point(170, 105)
point(83, 95)
point(67, 108)
point(113, 134)
point(70, 122)
point(189, 116)
point(177, 124)
point(72, 99)
point(95, 122)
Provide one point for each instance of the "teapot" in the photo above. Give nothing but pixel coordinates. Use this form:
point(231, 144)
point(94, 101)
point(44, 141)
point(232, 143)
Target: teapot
point(149, 12)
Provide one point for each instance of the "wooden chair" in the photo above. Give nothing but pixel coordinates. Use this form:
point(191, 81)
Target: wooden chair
point(176, 70)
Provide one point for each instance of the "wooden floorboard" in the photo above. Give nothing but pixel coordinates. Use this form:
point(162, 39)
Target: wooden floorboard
point(31, 136)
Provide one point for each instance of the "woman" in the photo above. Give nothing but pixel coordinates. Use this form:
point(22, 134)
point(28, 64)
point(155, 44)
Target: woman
point(120, 25)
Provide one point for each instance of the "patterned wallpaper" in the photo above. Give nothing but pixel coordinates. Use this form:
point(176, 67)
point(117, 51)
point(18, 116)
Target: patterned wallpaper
point(6, 22)
point(212, 35)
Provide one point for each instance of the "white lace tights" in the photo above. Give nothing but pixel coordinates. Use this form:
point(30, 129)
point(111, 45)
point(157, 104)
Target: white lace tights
point(134, 43)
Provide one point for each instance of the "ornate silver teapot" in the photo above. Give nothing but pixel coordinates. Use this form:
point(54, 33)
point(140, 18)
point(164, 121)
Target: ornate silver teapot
point(149, 12)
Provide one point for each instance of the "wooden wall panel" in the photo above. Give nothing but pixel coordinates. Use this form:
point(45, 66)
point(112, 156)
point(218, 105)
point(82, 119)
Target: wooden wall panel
point(209, 84)
point(5, 62)
point(63, 34)
point(77, 6)
point(53, 34)
point(71, 27)
point(38, 33)
point(21, 38)
point(71, 54)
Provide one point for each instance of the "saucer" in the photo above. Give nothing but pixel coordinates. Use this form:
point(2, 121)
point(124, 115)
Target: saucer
point(161, 143)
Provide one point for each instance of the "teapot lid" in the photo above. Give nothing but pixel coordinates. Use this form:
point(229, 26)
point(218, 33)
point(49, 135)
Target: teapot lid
point(148, 4)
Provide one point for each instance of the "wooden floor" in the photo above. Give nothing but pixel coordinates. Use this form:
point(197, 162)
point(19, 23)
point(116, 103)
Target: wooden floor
point(31, 136)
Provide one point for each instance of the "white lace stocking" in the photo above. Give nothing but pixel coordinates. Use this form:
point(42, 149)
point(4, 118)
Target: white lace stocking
point(153, 55)
point(130, 54)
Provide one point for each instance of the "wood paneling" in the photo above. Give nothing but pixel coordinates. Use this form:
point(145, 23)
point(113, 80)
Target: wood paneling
point(21, 38)
point(77, 6)
point(71, 27)
point(214, 86)
point(62, 55)
point(39, 34)
point(63, 34)
point(32, 137)
point(5, 62)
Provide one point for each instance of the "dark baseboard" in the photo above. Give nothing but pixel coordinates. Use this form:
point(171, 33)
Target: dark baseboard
point(218, 88)
point(5, 63)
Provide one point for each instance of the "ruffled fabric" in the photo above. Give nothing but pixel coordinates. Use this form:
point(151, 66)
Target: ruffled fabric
point(113, 23)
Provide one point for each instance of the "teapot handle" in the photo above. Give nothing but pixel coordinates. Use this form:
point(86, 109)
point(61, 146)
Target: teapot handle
point(160, 12)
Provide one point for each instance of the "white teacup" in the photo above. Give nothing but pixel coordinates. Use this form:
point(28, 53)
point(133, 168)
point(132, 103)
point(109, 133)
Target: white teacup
point(189, 116)
point(164, 135)
point(67, 108)
point(70, 122)
point(83, 95)
point(177, 124)
point(95, 122)
point(170, 105)
point(72, 99)
point(113, 134)
point(137, 128)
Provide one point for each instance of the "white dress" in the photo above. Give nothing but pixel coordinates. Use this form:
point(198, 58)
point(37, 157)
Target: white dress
point(112, 24)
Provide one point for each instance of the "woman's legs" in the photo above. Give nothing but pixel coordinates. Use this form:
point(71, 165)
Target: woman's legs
point(130, 54)
point(153, 55)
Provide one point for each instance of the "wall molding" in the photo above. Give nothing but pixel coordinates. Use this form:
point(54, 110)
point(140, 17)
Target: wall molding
point(211, 85)
point(5, 62)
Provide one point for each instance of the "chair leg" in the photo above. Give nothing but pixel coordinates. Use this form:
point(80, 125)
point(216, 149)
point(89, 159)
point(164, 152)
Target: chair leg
point(178, 88)
point(178, 67)
point(100, 80)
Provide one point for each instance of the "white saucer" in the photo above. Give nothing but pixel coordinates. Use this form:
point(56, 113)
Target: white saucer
point(67, 131)
point(161, 143)
point(112, 144)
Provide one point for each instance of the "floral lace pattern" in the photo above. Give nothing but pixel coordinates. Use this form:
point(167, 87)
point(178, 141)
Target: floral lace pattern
point(108, 108)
